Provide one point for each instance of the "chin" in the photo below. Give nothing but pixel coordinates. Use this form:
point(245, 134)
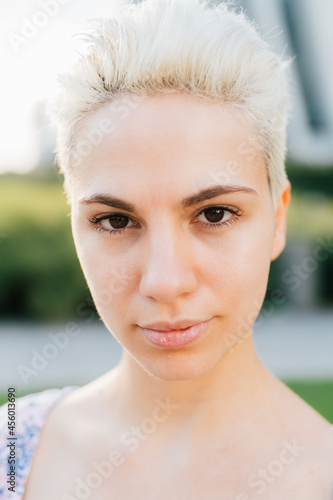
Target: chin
point(178, 364)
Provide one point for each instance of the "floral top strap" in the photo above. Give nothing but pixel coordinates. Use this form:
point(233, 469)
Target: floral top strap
point(21, 423)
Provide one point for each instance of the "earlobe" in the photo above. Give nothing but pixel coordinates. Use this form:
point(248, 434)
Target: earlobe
point(279, 240)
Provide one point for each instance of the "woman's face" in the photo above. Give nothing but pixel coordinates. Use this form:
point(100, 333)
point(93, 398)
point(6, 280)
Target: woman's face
point(173, 219)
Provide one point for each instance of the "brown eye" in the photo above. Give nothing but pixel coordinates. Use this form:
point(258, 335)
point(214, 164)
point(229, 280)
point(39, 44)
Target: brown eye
point(216, 217)
point(214, 214)
point(116, 221)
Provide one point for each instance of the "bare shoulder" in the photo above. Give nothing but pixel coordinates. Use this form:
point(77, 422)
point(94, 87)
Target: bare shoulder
point(315, 469)
point(314, 437)
point(65, 422)
point(78, 414)
point(302, 439)
point(66, 444)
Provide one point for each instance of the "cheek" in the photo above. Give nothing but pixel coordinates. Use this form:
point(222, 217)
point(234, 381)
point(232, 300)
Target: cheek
point(238, 268)
point(109, 275)
point(233, 269)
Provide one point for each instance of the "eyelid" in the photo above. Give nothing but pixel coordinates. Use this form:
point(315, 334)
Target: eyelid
point(96, 219)
point(230, 208)
point(107, 215)
point(227, 208)
point(130, 221)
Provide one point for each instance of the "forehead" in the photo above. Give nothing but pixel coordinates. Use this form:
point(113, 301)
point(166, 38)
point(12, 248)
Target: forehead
point(175, 138)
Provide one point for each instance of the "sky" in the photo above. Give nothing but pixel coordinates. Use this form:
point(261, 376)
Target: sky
point(36, 43)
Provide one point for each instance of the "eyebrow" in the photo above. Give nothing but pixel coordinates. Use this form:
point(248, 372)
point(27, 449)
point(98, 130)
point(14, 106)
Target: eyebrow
point(204, 194)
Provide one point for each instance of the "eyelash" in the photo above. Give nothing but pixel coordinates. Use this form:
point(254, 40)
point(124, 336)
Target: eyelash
point(236, 215)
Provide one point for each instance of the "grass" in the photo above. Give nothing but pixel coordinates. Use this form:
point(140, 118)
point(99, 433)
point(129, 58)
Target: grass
point(318, 394)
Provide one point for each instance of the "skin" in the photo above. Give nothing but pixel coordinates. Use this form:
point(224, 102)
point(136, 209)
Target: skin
point(228, 411)
point(172, 266)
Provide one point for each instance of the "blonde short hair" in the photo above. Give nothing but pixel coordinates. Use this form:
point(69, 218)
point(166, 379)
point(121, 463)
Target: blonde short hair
point(194, 46)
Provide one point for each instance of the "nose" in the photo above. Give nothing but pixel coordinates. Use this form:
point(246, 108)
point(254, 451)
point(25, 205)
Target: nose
point(168, 270)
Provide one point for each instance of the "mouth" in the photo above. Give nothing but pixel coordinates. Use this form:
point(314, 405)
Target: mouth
point(175, 338)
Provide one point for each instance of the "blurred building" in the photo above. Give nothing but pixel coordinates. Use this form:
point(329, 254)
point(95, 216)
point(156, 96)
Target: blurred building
point(302, 28)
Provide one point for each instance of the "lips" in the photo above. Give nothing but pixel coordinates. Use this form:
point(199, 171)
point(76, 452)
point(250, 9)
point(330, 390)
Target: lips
point(174, 338)
point(167, 326)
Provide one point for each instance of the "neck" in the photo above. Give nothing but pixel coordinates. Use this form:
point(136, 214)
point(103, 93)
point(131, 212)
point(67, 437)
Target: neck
point(230, 397)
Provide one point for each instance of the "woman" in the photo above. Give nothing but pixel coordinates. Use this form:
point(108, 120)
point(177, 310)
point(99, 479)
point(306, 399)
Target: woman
point(172, 138)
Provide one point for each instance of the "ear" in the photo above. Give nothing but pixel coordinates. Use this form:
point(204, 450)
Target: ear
point(279, 240)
